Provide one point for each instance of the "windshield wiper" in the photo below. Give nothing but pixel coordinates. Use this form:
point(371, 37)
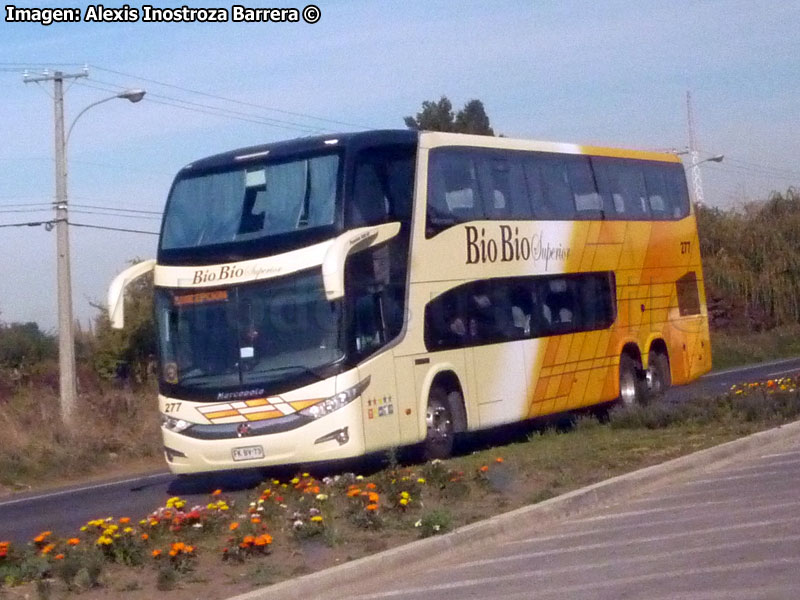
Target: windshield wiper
point(303, 368)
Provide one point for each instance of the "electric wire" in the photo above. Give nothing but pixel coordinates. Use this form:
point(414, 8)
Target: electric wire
point(122, 229)
point(213, 110)
point(232, 100)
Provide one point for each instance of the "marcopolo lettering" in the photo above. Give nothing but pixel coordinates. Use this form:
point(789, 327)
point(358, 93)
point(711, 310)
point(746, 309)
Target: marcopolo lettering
point(510, 246)
point(223, 273)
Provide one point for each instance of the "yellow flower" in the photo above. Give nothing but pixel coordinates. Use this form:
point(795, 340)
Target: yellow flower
point(421, 480)
point(404, 501)
point(316, 519)
point(104, 540)
point(322, 497)
point(128, 530)
point(295, 481)
point(405, 495)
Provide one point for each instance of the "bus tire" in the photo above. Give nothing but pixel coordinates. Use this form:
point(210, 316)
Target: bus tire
point(439, 429)
point(632, 388)
point(658, 374)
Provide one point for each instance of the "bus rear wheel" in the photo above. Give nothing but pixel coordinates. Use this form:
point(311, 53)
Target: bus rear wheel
point(440, 432)
point(658, 374)
point(631, 386)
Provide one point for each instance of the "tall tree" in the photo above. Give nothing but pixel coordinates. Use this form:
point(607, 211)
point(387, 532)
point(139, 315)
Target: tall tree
point(439, 116)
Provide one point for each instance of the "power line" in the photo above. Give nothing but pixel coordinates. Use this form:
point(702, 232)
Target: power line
point(25, 210)
point(279, 122)
point(71, 223)
point(752, 173)
point(24, 204)
point(47, 224)
point(115, 215)
point(232, 100)
point(130, 210)
point(213, 110)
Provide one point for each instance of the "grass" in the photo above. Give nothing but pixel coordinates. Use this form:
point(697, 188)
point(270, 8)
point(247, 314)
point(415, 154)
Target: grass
point(283, 529)
point(115, 427)
point(732, 348)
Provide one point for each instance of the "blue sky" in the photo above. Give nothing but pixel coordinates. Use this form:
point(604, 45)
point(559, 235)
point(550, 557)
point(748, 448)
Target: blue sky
point(610, 73)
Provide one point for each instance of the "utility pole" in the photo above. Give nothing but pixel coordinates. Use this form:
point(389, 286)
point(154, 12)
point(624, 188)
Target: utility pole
point(66, 332)
point(697, 180)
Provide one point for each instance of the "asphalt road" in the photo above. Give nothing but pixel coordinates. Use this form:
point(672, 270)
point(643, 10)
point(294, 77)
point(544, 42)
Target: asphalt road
point(66, 509)
point(729, 532)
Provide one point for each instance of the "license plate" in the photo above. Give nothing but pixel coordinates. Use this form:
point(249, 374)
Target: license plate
point(248, 452)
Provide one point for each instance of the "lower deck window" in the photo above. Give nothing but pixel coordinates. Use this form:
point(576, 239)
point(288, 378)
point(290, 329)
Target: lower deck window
point(515, 308)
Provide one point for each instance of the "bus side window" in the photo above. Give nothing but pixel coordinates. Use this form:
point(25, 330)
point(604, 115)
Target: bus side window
point(503, 188)
point(657, 195)
point(452, 190)
point(621, 185)
point(587, 201)
point(557, 201)
point(677, 190)
point(382, 186)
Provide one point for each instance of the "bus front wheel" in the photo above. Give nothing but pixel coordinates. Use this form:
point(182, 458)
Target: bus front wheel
point(440, 432)
point(631, 384)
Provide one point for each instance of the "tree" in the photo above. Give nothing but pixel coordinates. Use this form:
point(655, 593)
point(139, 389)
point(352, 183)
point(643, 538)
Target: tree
point(24, 344)
point(134, 346)
point(439, 116)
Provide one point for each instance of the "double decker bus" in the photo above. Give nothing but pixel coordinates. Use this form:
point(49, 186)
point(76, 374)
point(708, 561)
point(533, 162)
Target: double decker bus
point(328, 297)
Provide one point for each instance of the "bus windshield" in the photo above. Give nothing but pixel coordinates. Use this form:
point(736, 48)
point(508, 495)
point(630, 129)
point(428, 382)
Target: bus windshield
point(255, 334)
point(251, 202)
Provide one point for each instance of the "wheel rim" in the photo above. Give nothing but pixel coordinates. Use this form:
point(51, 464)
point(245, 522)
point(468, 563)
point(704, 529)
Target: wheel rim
point(627, 387)
point(653, 379)
point(439, 424)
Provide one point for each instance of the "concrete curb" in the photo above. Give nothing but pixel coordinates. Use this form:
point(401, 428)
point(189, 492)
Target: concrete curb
point(617, 488)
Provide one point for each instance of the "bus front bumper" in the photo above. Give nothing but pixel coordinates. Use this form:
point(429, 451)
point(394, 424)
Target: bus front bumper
point(336, 436)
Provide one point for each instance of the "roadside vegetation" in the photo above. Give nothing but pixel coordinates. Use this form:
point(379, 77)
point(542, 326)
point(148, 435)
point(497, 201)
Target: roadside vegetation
point(283, 528)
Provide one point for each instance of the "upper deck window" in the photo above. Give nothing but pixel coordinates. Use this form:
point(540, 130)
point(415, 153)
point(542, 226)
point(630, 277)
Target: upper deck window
point(251, 202)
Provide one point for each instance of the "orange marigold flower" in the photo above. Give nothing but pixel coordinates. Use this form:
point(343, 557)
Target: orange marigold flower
point(372, 507)
point(371, 486)
point(352, 493)
point(47, 549)
point(499, 459)
point(173, 552)
point(59, 557)
point(373, 497)
point(263, 540)
point(248, 539)
point(483, 469)
point(233, 526)
point(145, 537)
point(178, 546)
point(124, 520)
point(156, 553)
point(255, 520)
point(73, 541)
point(216, 492)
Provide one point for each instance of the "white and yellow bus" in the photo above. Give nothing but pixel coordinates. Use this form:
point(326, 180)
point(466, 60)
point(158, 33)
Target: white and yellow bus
point(323, 298)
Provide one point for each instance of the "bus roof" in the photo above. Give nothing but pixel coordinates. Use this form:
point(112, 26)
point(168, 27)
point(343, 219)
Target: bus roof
point(432, 139)
point(427, 139)
point(306, 144)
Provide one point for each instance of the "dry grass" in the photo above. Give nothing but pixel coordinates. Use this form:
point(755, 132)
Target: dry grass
point(113, 425)
point(751, 262)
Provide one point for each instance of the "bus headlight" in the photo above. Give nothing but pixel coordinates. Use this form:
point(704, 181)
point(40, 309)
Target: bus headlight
point(329, 405)
point(173, 424)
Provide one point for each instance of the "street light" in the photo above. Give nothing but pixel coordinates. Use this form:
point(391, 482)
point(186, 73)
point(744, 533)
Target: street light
point(66, 334)
point(717, 158)
point(133, 95)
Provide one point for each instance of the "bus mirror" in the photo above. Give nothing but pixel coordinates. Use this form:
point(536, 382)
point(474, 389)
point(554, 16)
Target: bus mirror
point(116, 292)
point(344, 245)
